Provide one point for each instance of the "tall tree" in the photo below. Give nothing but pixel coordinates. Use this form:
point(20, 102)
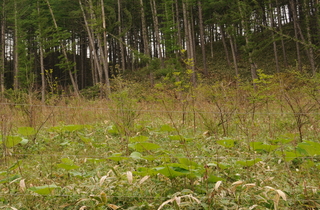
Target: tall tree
point(122, 52)
point(203, 47)
point(189, 40)
point(146, 50)
point(64, 51)
point(275, 51)
point(245, 12)
point(296, 33)
point(3, 46)
point(16, 48)
point(306, 12)
point(41, 53)
point(280, 21)
point(156, 31)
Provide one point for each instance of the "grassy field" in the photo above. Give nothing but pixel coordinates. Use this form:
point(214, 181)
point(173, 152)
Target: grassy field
point(224, 145)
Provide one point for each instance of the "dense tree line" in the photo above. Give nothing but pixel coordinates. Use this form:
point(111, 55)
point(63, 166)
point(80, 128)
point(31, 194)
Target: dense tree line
point(82, 43)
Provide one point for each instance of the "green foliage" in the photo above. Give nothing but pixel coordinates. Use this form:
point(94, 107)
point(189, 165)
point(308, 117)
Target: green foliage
point(11, 141)
point(44, 190)
point(67, 164)
point(26, 131)
point(163, 163)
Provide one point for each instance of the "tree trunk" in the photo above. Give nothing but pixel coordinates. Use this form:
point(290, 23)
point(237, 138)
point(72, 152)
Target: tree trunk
point(273, 38)
point(105, 50)
point(317, 15)
point(306, 11)
point(122, 55)
point(92, 47)
point(83, 60)
point(42, 70)
point(306, 43)
point(284, 53)
point(203, 47)
point(178, 23)
point(247, 35)
point(16, 50)
point(295, 25)
point(189, 42)
point(3, 48)
point(64, 51)
point(211, 41)
point(234, 56)
point(144, 31)
point(223, 38)
point(156, 31)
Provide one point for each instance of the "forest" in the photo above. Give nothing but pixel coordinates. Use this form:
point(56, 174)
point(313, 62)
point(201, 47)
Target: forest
point(159, 104)
point(74, 45)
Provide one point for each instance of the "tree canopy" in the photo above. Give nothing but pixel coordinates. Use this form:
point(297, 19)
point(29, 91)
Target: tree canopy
point(52, 45)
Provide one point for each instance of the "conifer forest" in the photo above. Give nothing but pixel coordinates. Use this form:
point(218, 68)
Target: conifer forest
point(160, 104)
point(82, 43)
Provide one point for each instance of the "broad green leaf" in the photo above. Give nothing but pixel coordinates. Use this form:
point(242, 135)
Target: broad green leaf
point(136, 155)
point(144, 146)
point(9, 179)
point(44, 190)
point(95, 160)
point(76, 174)
point(282, 140)
point(256, 145)
point(312, 148)
point(149, 157)
point(214, 179)
point(67, 160)
point(12, 141)
point(259, 146)
point(86, 139)
point(143, 171)
point(182, 170)
point(15, 165)
point(67, 164)
point(113, 130)
point(248, 163)
point(72, 128)
point(138, 139)
point(228, 143)
point(117, 157)
point(166, 128)
point(55, 129)
point(26, 131)
point(288, 156)
point(169, 171)
point(3, 173)
point(188, 162)
point(24, 141)
point(176, 137)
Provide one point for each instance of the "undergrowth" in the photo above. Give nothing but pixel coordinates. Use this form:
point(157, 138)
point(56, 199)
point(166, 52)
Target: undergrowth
point(224, 145)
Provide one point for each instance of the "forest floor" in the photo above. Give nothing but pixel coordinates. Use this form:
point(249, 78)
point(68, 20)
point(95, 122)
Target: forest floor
point(173, 146)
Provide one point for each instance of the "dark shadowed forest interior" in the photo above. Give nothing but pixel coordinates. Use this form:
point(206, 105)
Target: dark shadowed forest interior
point(68, 46)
